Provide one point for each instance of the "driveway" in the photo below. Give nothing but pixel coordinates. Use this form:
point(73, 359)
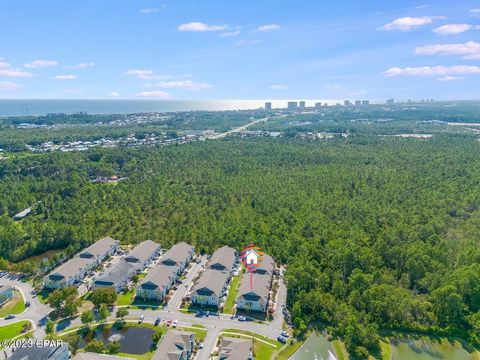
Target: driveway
point(176, 300)
point(277, 321)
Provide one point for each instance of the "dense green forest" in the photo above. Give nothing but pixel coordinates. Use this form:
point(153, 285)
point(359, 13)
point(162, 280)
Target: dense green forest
point(377, 233)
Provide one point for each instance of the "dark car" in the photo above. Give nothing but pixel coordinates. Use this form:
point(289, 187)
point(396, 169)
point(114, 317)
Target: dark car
point(8, 317)
point(27, 304)
point(157, 321)
point(282, 339)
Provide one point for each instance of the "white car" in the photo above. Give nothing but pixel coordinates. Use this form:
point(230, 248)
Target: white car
point(175, 322)
point(140, 319)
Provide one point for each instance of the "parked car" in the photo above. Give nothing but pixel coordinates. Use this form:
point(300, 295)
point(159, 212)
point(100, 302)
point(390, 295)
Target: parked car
point(285, 334)
point(175, 322)
point(281, 339)
point(207, 313)
point(140, 319)
point(157, 321)
point(242, 318)
point(169, 322)
point(200, 346)
point(8, 317)
point(27, 304)
point(199, 313)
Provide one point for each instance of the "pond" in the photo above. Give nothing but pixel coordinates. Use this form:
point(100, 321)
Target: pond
point(316, 347)
point(133, 340)
point(429, 350)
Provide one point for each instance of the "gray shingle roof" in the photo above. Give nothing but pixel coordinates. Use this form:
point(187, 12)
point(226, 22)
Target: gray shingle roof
point(210, 281)
point(101, 246)
point(143, 251)
point(117, 273)
point(173, 345)
point(235, 349)
point(159, 276)
point(179, 253)
point(37, 353)
point(72, 267)
point(260, 287)
point(223, 259)
point(267, 265)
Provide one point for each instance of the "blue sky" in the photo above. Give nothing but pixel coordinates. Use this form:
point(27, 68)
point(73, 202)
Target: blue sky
point(262, 49)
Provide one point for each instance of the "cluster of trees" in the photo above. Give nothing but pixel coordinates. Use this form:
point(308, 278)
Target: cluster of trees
point(376, 233)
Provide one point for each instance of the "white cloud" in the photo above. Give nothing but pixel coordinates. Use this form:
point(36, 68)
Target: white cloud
point(4, 64)
point(468, 50)
point(229, 34)
point(200, 27)
point(268, 27)
point(247, 42)
point(114, 94)
point(10, 72)
point(432, 70)
point(65, 77)
point(452, 29)
point(182, 84)
point(83, 65)
point(8, 86)
point(154, 94)
point(450, 78)
point(152, 10)
point(41, 64)
point(409, 23)
point(146, 74)
point(475, 12)
point(278, 87)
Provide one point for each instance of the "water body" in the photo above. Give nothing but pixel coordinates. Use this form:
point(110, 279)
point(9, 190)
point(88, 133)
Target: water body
point(41, 107)
point(430, 350)
point(316, 347)
point(133, 340)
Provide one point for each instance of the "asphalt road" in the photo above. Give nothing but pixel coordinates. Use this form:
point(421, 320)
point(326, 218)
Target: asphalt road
point(277, 321)
point(176, 300)
point(241, 128)
point(35, 312)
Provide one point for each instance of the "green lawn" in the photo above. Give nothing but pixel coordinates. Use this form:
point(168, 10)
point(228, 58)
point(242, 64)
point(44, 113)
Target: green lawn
point(340, 350)
point(14, 306)
point(200, 333)
point(232, 294)
point(10, 331)
point(126, 298)
point(289, 350)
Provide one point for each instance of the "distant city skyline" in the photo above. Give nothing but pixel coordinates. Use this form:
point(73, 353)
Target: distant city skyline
point(271, 50)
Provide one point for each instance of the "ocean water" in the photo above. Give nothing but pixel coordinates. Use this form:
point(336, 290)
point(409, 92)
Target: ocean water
point(41, 107)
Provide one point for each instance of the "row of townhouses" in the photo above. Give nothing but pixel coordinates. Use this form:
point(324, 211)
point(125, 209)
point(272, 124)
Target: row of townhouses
point(74, 270)
point(163, 276)
point(254, 291)
point(119, 275)
point(212, 285)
